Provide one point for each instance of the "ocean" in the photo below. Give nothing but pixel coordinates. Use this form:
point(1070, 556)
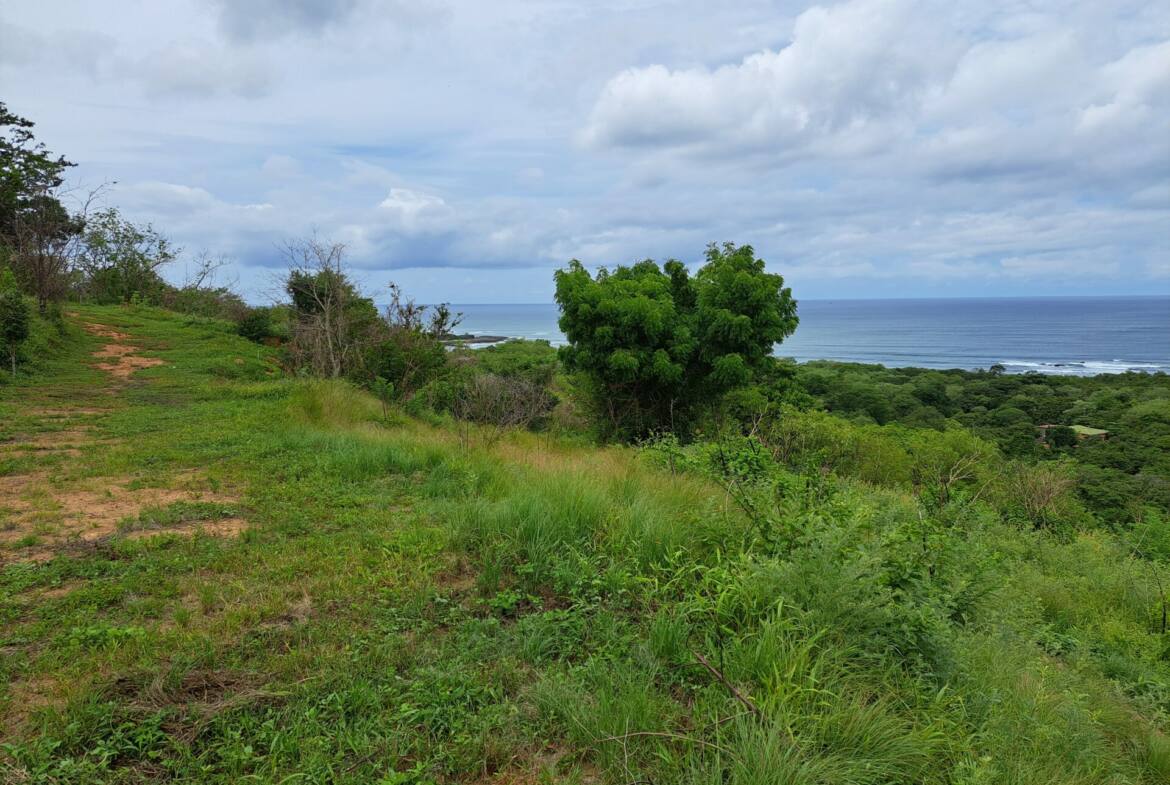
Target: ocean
point(1077, 336)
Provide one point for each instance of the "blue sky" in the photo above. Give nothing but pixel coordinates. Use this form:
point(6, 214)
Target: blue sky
point(466, 150)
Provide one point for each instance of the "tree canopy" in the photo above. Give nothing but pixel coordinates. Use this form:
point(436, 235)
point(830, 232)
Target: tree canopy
point(121, 259)
point(27, 168)
point(14, 319)
point(654, 342)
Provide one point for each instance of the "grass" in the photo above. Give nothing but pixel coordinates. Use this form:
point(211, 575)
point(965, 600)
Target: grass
point(400, 609)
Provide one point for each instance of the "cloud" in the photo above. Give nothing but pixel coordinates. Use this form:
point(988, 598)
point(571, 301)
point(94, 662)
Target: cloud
point(844, 85)
point(864, 147)
point(280, 166)
point(21, 46)
point(192, 70)
point(82, 50)
point(259, 20)
point(907, 84)
point(252, 19)
point(412, 211)
point(197, 219)
point(1159, 269)
point(1030, 267)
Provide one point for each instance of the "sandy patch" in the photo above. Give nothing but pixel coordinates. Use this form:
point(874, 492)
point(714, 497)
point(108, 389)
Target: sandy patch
point(222, 527)
point(38, 518)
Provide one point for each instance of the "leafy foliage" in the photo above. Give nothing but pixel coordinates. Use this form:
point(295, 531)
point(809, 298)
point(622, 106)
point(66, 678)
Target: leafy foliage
point(409, 351)
point(27, 169)
point(656, 345)
point(1115, 477)
point(122, 260)
point(333, 324)
point(257, 325)
point(14, 317)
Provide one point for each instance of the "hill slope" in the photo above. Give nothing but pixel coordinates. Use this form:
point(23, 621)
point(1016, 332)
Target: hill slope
point(212, 572)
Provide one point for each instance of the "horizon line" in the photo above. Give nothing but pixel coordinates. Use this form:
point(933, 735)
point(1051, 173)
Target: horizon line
point(902, 299)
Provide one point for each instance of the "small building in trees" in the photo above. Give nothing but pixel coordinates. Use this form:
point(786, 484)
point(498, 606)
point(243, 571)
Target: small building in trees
point(1085, 432)
point(1068, 435)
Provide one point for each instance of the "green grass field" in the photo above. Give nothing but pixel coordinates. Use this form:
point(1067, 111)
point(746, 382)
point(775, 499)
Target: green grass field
point(215, 573)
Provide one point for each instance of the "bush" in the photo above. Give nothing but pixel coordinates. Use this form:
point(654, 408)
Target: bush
point(256, 325)
point(216, 303)
point(535, 361)
point(501, 403)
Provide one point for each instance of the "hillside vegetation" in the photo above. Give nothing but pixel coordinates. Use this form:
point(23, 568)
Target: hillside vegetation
point(289, 580)
point(323, 543)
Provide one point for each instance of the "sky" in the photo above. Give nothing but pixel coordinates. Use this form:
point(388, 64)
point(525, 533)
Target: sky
point(466, 150)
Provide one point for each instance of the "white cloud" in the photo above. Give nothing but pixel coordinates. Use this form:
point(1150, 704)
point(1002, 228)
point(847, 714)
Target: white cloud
point(845, 83)
point(911, 86)
point(413, 211)
point(864, 147)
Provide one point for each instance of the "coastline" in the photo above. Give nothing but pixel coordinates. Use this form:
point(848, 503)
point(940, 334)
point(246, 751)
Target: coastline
point(1052, 336)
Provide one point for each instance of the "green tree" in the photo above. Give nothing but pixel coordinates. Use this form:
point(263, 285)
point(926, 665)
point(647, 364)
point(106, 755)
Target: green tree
point(1062, 436)
point(256, 325)
point(409, 351)
point(333, 325)
point(27, 169)
point(121, 259)
point(656, 345)
point(14, 317)
point(37, 233)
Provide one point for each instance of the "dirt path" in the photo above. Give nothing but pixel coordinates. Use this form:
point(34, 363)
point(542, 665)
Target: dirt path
point(51, 498)
point(119, 358)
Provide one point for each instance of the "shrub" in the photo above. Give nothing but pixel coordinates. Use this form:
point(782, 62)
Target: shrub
point(501, 403)
point(256, 325)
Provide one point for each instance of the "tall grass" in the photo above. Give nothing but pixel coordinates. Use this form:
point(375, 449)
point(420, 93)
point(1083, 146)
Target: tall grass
point(409, 608)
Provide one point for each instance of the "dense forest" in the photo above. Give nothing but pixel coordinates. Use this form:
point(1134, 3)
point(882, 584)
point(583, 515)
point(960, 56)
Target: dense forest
point(318, 541)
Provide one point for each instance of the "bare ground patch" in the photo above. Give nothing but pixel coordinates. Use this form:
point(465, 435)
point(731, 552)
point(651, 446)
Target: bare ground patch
point(119, 359)
point(104, 331)
point(67, 441)
point(40, 519)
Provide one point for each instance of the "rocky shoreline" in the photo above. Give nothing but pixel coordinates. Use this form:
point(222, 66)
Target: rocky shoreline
point(451, 338)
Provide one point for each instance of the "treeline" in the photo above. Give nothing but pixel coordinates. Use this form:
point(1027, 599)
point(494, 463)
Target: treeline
point(1117, 475)
point(56, 247)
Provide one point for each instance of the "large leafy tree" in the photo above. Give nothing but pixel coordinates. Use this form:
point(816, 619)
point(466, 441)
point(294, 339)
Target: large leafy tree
point(14, 320)
point(656, 345)
point(121, 259)
point(27, 169)
point(36, 231)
